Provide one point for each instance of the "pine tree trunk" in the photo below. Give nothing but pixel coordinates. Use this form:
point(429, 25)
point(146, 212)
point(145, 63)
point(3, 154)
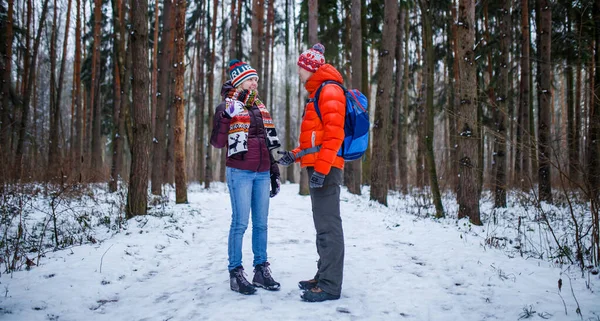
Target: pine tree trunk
point(379, 184)
point(403, 157)
point(353, 169)
point(211, 107)
point(453, 104)
point(199, 98)
point(267, 70)
point(96, 115)
point(180, 165)
point(159, 141)
point(6, 53)
point(154, 77)
point(429, 125)
point(523, 149)
point(468, 140)
point(545, 99)
point(256, 52)
point(78, 130)
point(54, 106)
point(137, 197)
point(120, 95)
point(500, 110)
point(288, 92)
point(594, 126)
point(233, 32)
point(20, 150)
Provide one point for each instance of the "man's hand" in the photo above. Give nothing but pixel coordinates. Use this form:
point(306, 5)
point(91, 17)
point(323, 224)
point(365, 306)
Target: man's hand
point(316, 180)
point(287, 159)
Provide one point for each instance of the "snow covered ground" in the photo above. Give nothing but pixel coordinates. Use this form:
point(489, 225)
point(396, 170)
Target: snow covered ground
point(172, 265)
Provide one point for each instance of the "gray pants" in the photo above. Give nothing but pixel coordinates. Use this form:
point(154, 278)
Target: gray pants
point(330, 235)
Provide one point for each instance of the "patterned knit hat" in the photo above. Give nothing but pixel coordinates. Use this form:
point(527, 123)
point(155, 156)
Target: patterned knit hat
point(312, 58)
point(240, 71)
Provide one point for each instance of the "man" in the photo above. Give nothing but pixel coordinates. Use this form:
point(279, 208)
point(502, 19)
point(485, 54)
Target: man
point(320, 139)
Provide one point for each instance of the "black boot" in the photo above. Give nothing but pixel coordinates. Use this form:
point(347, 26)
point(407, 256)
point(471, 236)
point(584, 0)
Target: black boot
point(238, 282)
point(316, 294)
point(308, 284)
point(262, 277)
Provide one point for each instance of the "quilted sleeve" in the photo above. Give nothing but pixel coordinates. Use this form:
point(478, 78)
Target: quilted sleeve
point(332, 104)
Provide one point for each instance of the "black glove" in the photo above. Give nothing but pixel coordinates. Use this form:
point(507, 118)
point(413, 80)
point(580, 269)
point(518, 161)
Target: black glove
point(316, 180)
point(287, 159)
point(275, 185)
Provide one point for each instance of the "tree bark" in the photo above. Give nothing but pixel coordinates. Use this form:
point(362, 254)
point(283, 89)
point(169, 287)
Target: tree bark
point(429, 83)
point(96, 115)
point(257, 50)
point(78, 109)
point(54, 106)
point(165, 63)
point(453, 104)
point(594, 126)
point(468, 140)
point(379, 184)
point(6, 53)
point(18, 161)
point(180, 165)
point(288, 92)
point(137, 197)
point(121, 94)
point(500, 110)
point(353, 169)
point(154, 77)
point(523, 148)
point(211, 76)
point(545, 99)
point(199, 97)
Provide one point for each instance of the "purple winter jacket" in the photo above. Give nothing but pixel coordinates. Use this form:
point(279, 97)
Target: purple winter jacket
point(257, 158)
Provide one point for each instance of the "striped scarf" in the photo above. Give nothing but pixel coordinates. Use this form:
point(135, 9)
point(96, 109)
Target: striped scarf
point(240, 123)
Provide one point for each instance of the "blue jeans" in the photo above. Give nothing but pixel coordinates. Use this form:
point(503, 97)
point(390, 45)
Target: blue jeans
point(248, 190)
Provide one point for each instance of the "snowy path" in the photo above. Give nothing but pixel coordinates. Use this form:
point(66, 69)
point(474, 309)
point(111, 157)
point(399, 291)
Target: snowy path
point(397, 267)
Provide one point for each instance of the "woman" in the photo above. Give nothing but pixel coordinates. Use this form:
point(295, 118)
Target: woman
point(243, 124)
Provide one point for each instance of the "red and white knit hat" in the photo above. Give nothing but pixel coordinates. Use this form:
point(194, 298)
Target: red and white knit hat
point(240, 71)
point(312, 58)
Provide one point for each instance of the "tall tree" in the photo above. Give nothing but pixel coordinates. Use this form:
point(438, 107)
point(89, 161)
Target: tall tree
point(379, 183)
point(210, 88)
point(154, 77)
point(199, 94)
point(180, 165)
point(594, 127)
point(468, 140)
point(257, 50)
point(61, 76)
point(544, 76)
point(6, 53)
point(428, 48)
point(54, 106)
point(95, 106)
point(121, 93)
point(78, 109)
point(288, 92)
point(137, 197)
point(353, 169)
point(500, 111)
point(22, 134)
point(268, 42)
point(165, 63)
point(523, 150)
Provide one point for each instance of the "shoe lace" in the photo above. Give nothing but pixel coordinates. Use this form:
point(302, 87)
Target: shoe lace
point(266, 271)
point(241, 276)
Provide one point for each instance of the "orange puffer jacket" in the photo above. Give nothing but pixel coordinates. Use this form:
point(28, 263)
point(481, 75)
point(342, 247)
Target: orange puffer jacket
point(330, 132)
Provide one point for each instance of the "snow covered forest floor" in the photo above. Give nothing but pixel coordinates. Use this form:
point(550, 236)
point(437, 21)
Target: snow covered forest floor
point(77, 258)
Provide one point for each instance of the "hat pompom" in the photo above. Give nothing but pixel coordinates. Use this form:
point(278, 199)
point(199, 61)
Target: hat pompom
point(319, 47)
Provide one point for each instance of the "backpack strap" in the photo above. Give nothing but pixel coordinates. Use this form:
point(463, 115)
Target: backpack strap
point(315, 99)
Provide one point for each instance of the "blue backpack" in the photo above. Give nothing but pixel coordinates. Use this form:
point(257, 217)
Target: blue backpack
point(356, 125)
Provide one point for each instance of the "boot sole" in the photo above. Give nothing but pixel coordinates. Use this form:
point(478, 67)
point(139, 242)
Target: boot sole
point(268, 288)
point(245, 292)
